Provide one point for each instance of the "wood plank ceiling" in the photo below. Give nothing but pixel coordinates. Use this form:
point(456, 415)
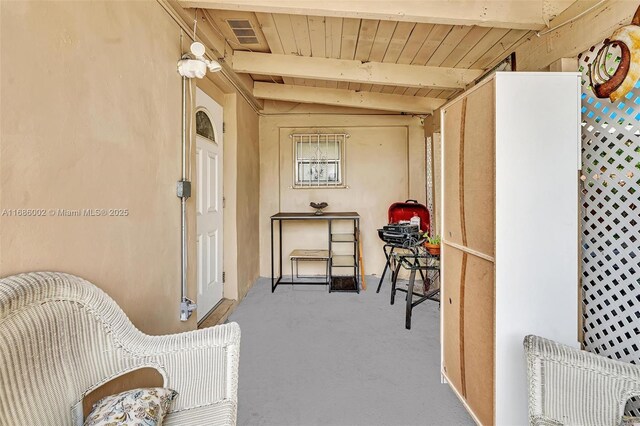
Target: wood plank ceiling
point(366, 40)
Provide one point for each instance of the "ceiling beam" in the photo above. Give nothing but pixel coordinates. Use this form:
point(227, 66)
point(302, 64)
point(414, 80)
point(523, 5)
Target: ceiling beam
point(570, 40)
point(353, 71)
point(346, 98)
point(521, 14)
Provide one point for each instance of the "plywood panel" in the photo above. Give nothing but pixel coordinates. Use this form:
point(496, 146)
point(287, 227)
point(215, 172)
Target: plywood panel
point(451, 124)
point(479, 170)
point(479, 340)
point(469, 124)
point(450, 305)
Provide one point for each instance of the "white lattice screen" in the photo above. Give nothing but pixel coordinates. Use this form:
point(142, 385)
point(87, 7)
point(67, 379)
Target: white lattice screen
point(610, 216)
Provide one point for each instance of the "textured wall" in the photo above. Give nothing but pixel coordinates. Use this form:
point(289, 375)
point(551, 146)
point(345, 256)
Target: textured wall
point(91, 119)
point(384, 164)
point(248, 198)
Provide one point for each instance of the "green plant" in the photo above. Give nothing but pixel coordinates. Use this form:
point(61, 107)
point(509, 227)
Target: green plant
point(433, 240)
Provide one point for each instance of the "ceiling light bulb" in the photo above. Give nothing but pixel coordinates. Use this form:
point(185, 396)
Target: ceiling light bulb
point(197, 49)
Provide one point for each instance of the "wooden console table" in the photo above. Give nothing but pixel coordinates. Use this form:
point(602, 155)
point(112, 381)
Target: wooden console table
point(335, 261)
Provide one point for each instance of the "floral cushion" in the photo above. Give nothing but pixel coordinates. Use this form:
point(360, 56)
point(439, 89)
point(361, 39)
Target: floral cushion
point(630, 421)
point(138, 407)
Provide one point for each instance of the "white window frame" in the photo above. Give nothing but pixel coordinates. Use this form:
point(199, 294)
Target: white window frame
point(320, 139)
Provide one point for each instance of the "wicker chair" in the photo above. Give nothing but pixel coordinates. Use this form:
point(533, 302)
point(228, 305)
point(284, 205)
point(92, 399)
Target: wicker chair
point(61, 337)
point(568, 386)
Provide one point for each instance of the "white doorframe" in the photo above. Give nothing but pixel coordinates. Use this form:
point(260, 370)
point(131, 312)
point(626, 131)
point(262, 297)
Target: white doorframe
point(209, 206)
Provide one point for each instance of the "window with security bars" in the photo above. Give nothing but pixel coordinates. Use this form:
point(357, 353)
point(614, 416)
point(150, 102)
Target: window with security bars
point(318, 160)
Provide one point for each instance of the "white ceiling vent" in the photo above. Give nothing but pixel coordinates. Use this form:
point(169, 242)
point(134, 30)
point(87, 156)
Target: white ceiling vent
point(243, 31)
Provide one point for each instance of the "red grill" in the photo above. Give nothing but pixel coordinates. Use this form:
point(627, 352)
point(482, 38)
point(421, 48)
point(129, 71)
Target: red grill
point(406, 210)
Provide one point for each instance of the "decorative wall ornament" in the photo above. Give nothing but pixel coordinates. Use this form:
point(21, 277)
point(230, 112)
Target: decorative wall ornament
point(616, 67)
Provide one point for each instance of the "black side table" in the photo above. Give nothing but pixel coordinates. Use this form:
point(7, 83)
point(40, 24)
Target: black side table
point(419, 260)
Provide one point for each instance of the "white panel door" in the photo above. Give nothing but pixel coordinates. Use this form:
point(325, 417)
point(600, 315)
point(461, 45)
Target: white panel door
point(208, 198)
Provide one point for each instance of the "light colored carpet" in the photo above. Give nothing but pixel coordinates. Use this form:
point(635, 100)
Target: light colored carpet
point(308, 357)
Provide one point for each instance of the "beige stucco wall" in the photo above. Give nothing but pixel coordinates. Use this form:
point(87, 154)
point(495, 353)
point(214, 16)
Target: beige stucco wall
point(384, 164)
point(90, 111)
point(241, 192)
point(248, 197)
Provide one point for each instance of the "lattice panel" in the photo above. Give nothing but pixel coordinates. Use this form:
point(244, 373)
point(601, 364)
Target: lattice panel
point(610, 215)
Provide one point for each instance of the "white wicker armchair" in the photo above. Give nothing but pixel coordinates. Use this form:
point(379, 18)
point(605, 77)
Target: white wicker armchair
point(568, 386)
point(61, 337)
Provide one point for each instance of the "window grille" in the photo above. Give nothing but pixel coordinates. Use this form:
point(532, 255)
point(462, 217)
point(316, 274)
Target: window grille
point(319, 160)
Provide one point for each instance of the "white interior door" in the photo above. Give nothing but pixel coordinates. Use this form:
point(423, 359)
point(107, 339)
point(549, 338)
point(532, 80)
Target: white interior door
point(208, 194)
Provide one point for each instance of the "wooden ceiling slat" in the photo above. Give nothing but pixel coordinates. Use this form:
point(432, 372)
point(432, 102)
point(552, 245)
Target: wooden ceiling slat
point(333, 37)
point(418, 35)
point(436, 37)
point(398, 41)
point(317, 35)
point(415, 42)
point(350, 31)
point(455, 36)
point(368, 30)
point(285, 32)
point(499, 49)
point(396, 45)
point(381, 42)
point(489, 40)
point(385, 41)
point(270, 31)
point(431, 92)
point(302, 39)
point(287, 38)
point(388, 89)
point(315, 83)
point(472, 38)
point(380, 45)
point(349, 39)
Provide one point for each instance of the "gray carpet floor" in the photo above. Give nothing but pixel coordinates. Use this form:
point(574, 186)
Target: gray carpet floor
point(308, 357)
